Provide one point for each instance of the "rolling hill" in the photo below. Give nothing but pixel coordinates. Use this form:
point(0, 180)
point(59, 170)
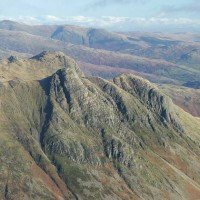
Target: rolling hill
point(186, 98)
point(98, 47)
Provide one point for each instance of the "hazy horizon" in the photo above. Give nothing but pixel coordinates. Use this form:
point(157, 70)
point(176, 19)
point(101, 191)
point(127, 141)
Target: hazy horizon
point(117, 15)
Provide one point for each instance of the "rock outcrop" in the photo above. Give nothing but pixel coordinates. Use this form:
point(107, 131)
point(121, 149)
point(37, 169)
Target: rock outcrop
point(91, 138)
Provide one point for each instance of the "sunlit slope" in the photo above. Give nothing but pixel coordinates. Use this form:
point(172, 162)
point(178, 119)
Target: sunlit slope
point(90, 138)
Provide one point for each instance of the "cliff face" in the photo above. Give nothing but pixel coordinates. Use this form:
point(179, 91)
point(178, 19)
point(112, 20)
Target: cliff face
point(67, 136)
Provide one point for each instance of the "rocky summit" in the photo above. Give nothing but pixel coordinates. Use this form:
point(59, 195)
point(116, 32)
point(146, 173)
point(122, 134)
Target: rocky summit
point(64, 135)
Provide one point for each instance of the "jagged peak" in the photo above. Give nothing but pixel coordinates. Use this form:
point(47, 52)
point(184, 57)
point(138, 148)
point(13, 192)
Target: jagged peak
point(12, 59)
point(136, 80)
point(140, 87)
point(49, 54)
point(151, 97)
point(42, 65)
point(56, 58)
point(69, 73)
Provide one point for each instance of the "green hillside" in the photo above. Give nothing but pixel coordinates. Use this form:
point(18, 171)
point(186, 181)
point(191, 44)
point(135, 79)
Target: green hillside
point(68, 136)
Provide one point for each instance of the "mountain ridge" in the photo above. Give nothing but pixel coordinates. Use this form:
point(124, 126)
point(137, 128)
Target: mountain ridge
point(95, 138)
point(129, 51)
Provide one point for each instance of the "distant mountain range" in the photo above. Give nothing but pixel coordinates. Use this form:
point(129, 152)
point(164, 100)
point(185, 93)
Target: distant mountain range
point(162, 58)
point(173, 58)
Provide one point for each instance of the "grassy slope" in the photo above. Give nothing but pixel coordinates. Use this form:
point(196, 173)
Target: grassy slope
point(30, 173)
point(186, 98)
point(108, 140)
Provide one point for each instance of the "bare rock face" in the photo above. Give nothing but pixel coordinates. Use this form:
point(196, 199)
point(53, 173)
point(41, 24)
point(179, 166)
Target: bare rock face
point(151, 97)
point(12, 59)
point(91, 138)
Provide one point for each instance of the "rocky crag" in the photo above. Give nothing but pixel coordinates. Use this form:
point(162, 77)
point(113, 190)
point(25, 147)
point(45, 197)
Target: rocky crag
point(67, 136)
